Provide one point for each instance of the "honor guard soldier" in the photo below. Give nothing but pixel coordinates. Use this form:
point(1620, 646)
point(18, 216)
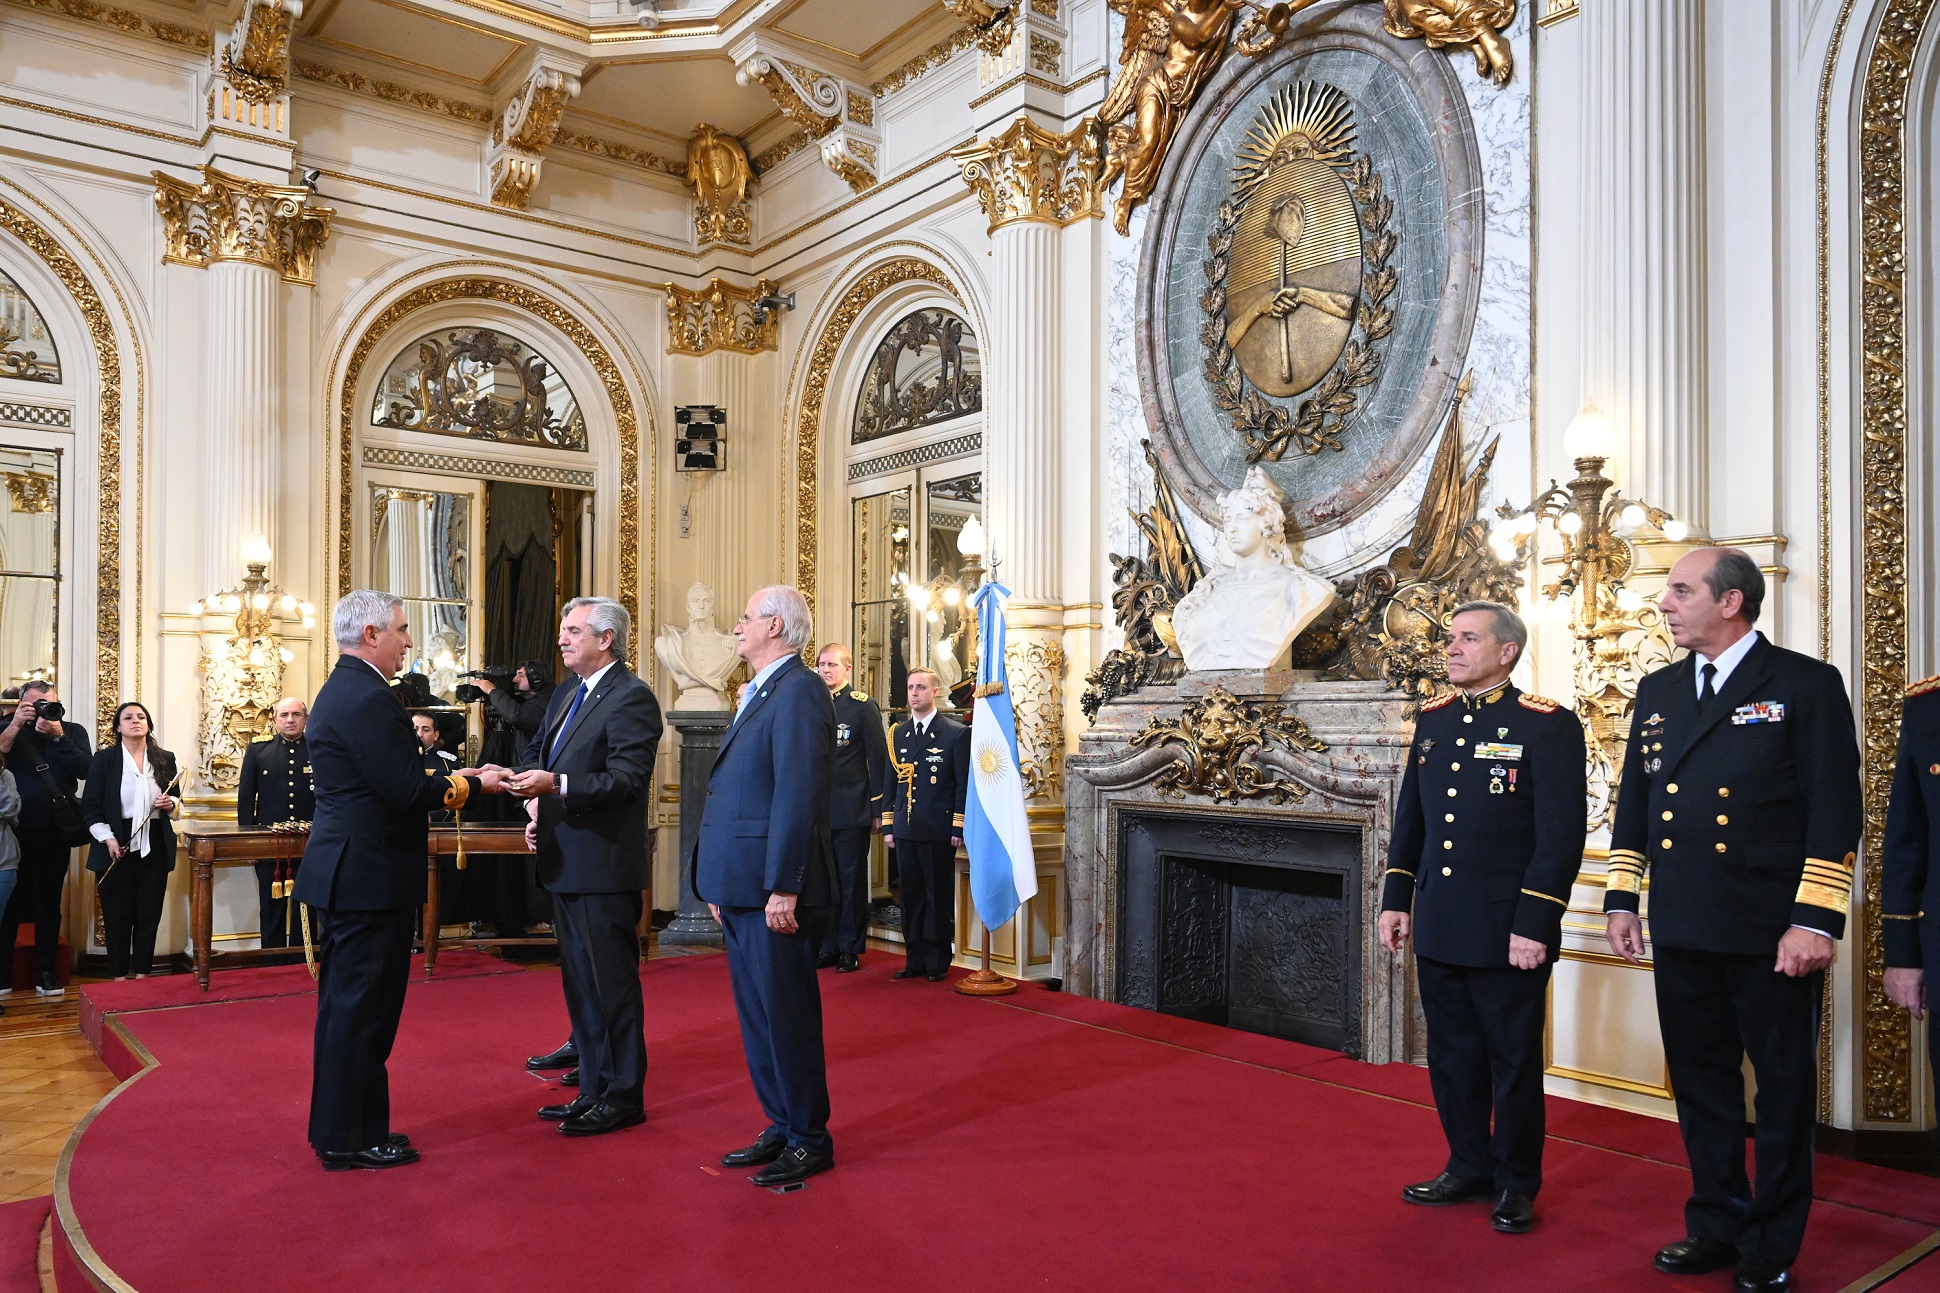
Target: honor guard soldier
point(861, 763)
point(1741, 798)
point(1909, 903)
point(275, 789)
point(923, 793)
point(1488, 837)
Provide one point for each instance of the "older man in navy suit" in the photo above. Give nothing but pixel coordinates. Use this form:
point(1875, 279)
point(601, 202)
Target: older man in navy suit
point(765, 866)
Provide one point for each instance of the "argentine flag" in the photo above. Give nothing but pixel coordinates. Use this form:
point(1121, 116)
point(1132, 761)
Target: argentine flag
point(996, 834)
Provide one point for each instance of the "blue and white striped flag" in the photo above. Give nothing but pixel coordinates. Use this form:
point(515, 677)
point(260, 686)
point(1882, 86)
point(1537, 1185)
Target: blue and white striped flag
point(996, 833)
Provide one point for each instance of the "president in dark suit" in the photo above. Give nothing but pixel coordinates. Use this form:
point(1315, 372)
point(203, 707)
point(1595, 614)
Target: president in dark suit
point(274, 788)
point(861, 759)
point(1488, 837)
point(1909, 882)
point(363, 865)
point(590, 770)
point(763, 863)
point(1741, 798)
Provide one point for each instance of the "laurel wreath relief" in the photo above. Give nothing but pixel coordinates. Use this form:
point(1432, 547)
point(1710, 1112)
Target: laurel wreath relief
point(1269, 429)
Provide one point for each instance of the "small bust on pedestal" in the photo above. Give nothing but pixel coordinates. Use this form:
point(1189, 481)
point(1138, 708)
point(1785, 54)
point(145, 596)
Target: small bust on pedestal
point(1245, 616)
point(699, 657)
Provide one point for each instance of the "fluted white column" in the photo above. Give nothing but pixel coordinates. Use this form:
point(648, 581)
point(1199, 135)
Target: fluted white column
point(734, 499)
point(243, 363)
point(1643, 328)
point(1022, 485)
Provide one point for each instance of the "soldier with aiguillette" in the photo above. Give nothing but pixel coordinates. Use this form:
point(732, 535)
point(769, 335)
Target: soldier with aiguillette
point(275, 790)
point(1488, 838)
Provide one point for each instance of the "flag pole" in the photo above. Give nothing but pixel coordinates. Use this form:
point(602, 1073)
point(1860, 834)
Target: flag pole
point(985, 982)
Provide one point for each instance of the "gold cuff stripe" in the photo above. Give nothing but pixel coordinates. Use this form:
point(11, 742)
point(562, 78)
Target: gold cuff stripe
point(1625, 881)
point(1887, 915)
point(1560, 902)
point(1626, 857)
point(458, 792)
point(1845, 866)
point(956, 820)
point(1395, 870)
point(1832, 879)
point(1818, 895)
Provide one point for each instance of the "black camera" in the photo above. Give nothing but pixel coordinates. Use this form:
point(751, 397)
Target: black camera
point(51, 710)
point(468, 694)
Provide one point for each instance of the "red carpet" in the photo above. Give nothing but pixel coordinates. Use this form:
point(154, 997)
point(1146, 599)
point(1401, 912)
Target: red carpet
point(20, 1227)
point(1037, 1141)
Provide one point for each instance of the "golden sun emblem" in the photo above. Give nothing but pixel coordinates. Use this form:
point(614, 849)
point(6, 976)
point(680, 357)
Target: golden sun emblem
point(990, 761)
point(1295, 273)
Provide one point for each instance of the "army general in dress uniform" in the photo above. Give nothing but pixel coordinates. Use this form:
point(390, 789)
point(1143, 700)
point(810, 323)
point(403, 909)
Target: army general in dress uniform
point(1488, 837)
point(275, 787)
point(924, 790)
point(1909, 884)
point(1741, 799)
point(861, 762)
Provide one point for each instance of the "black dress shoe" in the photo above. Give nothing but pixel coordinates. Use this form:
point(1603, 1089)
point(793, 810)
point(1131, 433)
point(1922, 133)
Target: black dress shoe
point(563, 1058)
point(572, 1109)
point(399, 1139)
point(847, 963)
point(1758, 1275)
point(907, 972)
point(766, 1149)
point(826, 962)
point(1514, 1213)
point(569, 1078)
point(797, 1164)
point(1446, 1189)
point(602, 1118)
point(936, 977)
point(1694, 1255)
point(386, 1155)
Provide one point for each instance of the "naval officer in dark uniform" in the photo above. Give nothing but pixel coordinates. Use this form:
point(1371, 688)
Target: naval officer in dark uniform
point(364, 866)
point(275, 787)
point(1741, 798)
point(861, 762)
point(1488, 837)
point(1909, 883)
point(923, 793)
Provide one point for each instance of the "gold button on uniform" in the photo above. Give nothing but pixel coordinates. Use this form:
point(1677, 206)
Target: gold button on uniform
point(1720, 846)
point(1665, 843)
point(1667, 814)
point(1454, 767)
point(1723, 821)
point(1671, 789)
point(1448, 817)
point(1470, 718)
point(1448, 870)
point(1448, 844)
point(1461, 740)
point(1451, 792)
point(1724, 792)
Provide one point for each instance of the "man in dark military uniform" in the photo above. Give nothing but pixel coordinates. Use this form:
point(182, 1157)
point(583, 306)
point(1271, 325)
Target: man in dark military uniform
point(1488, 837)
point(1909, 885)
point(923, 792)
point(861, 762)
point(1741, 797)
point(275, 787)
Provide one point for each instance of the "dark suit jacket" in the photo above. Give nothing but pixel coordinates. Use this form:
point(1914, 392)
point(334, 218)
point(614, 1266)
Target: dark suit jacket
point(101, 802)
point(931, 806)
point(366, 850)
point(1486, 847)
point(1909, 882)
point(67, 759)
point(861, 761)
point(766, 825)
point(1747, 817)
point(275, 783)
point(595, 839)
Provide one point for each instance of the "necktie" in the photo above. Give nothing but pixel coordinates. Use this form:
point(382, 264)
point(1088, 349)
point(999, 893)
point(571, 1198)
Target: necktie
point(579, 696)
point(1709, 691)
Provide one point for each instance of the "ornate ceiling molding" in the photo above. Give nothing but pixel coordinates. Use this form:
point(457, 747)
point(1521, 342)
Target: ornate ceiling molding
point(720, 317)
point(839, 113)
point(1028, 173)
point(257, 58)
point(526, 126)
point(229, 218)
point(720, 177)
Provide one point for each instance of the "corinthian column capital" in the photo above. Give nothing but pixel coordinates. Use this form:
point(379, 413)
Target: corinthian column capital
point(1029, 173)
point(229, 218)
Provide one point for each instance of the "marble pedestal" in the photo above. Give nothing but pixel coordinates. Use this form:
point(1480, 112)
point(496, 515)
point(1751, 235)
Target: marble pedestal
point(1350, 785)
point(701, 733)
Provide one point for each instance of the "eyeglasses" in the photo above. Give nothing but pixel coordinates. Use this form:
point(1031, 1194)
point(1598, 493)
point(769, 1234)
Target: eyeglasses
point(749, 619)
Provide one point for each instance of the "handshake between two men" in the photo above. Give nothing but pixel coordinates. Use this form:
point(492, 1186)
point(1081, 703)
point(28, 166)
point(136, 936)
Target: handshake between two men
point(529, 784)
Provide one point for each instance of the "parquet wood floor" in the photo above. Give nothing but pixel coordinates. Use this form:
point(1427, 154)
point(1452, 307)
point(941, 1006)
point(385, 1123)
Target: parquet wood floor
point(49, 1079)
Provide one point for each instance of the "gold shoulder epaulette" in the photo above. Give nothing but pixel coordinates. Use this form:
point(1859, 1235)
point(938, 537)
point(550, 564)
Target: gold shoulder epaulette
point(1924, 686)
point(859, 695)
point(1446, 698)
point(1541, 704)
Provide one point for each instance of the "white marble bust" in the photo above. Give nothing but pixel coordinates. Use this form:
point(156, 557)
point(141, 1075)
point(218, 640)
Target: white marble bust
point(699, 657)
point(1243, 616)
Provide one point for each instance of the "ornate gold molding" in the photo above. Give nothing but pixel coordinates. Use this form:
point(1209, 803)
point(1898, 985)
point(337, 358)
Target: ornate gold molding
point(1221, 738)
point(524, 129)
point(1887, 1065)
point(226, 217)
point(990, 25)
point(926, 62)
point(1029, 173)
point(257, 58)
point(107, 352)
point(808, 426)
point(719, 317)
point(720, 177)
point(615, 151)
point(1035, 666)
point(840, 114)
point(626, 418)
point(123, 20)
point(1474, 25)
point(391, 92)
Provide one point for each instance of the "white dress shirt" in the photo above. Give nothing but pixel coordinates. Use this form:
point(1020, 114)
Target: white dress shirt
point(1726, 661)
point(138, 795)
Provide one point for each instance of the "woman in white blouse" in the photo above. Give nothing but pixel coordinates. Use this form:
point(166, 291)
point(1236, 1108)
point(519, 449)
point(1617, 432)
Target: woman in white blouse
point(128, 801)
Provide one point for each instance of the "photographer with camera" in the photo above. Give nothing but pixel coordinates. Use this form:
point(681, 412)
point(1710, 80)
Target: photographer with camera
point(507, 896)
point(49, 757)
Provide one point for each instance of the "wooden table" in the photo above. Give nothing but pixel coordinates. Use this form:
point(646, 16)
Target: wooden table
point(225, 844)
